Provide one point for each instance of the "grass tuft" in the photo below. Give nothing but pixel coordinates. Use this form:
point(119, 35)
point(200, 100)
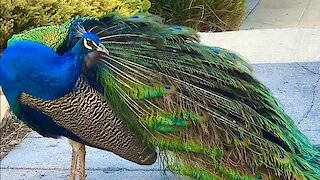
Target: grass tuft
point(202, 15)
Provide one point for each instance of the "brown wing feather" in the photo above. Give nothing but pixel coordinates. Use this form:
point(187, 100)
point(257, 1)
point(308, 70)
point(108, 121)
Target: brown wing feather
point(87, 114)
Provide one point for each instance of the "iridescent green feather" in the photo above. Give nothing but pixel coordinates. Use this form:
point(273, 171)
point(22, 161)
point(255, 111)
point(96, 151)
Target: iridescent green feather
point(52, 36)
point(243, 120)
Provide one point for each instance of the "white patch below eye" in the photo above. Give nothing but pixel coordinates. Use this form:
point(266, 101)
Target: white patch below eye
point(85, 43)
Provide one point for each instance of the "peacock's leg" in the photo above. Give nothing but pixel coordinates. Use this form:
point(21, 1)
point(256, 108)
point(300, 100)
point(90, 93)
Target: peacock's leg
point(82, 161)
point(78, 154)
point(74, 160)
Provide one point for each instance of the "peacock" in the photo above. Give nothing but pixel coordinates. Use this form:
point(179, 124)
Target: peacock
point(136, 86)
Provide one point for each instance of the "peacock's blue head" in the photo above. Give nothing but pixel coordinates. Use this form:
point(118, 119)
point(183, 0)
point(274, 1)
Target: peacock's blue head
point(84, 42)
point(93, 43)
point(92, 36)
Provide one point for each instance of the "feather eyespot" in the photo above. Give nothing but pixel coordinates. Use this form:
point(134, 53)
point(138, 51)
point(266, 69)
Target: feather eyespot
point(177, 28)
point(281, 156)
point(166, 86)
point(241, 138)
point(214, 50)
point(259, 177)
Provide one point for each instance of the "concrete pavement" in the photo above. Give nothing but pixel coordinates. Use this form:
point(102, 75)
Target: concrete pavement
point(270, 45)
point(44, 158)
point(251, 4)
point(297, 87)
point(270, 14)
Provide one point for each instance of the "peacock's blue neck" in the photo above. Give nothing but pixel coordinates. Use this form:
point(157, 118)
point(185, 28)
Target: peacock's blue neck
point(37, 70)
point(79, 52)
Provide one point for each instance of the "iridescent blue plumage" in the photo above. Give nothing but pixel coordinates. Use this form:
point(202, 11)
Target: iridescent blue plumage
point(92, 36)
point(24, 66)
point(36, 69)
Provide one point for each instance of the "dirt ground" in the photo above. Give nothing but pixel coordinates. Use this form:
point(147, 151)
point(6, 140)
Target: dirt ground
point(12, 132)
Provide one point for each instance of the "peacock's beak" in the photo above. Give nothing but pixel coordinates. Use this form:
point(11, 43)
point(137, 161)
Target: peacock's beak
point(102, 49)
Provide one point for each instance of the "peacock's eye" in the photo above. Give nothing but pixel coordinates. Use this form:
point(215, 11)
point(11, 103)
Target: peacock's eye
point(87, 43)
point(90, 43)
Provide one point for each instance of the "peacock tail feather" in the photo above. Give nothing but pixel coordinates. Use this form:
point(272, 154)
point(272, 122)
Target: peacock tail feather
point(202, 107)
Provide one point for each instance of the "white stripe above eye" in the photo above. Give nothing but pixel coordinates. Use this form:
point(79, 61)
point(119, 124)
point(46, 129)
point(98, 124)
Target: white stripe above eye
point(85, 43)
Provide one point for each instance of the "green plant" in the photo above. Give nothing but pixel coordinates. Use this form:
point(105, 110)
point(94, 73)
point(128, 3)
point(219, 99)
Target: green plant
point(202, 15)
point(20, 15)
